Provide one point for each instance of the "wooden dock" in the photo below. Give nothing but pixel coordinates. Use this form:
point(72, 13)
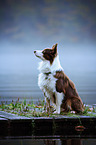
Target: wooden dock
point(62, 126)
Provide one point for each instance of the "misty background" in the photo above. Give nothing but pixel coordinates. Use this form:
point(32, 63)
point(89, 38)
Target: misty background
point(28, 25)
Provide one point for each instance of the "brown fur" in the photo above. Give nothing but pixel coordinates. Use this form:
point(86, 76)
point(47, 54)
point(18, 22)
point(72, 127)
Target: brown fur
point(71, 101)
point(50, 54)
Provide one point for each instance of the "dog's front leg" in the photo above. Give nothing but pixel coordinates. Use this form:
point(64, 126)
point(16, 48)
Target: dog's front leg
point(47, 103)
point(59, 98)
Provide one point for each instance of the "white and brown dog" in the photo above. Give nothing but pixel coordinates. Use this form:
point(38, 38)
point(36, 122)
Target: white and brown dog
point(57, 87)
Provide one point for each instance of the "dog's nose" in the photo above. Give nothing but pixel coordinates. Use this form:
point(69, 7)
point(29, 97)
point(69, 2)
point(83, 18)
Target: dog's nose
point(34, 51)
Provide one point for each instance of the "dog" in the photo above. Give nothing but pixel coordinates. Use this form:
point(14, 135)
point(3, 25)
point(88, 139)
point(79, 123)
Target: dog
point(55, 84)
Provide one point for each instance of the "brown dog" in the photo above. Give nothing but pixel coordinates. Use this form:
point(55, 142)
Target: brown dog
point(57, 87)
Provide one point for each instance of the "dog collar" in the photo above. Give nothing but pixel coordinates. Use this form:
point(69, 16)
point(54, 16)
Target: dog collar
point(47, 73)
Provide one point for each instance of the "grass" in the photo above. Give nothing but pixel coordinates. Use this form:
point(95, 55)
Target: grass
point(24, 109)
point(38, 110)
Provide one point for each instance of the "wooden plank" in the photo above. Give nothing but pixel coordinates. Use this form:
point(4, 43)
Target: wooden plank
point(3, 119)
point(3, 126)
point(12, 116)
point(57, 125)
point(15, 125)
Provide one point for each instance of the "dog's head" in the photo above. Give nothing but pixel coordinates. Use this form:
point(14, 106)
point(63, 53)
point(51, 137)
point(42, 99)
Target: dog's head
point(47, 54)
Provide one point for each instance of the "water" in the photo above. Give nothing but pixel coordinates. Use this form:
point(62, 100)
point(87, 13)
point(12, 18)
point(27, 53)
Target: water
point(49, 141)
point(13, 87)
point(24, 86)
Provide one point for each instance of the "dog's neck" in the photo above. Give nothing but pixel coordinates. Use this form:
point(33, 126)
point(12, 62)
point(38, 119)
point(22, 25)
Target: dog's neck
point(47, 68)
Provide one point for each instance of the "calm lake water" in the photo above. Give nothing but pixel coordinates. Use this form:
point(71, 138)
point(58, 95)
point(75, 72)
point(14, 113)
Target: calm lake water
point(24, 86)
point(48, 142)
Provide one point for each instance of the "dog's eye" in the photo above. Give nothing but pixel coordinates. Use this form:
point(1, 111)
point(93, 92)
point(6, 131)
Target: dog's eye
point(44, 52)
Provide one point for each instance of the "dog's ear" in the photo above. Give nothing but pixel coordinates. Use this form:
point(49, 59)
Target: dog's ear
point(54, 47)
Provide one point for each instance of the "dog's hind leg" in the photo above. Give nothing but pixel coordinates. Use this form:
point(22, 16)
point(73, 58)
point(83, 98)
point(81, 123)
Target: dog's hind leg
point(66, 105)
point(77, 105)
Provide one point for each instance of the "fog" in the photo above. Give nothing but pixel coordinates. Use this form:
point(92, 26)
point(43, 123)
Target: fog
point(30, 25)
point(79, 59)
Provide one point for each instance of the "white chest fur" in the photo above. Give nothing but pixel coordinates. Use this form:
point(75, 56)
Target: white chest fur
point(47, 82)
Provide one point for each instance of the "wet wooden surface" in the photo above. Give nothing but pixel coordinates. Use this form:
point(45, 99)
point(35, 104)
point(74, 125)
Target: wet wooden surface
point(14, 125)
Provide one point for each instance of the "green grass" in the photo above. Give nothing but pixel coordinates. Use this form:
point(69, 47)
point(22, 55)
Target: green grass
point(37, 110)
point(24, 108)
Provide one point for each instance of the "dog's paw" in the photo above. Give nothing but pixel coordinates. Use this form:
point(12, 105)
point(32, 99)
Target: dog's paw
point(56, 112)
point(73, 112)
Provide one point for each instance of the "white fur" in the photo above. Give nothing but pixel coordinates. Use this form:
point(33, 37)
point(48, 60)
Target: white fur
point(39, 54)
point(47, 83)
point(59, 98)
point(45, 66)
